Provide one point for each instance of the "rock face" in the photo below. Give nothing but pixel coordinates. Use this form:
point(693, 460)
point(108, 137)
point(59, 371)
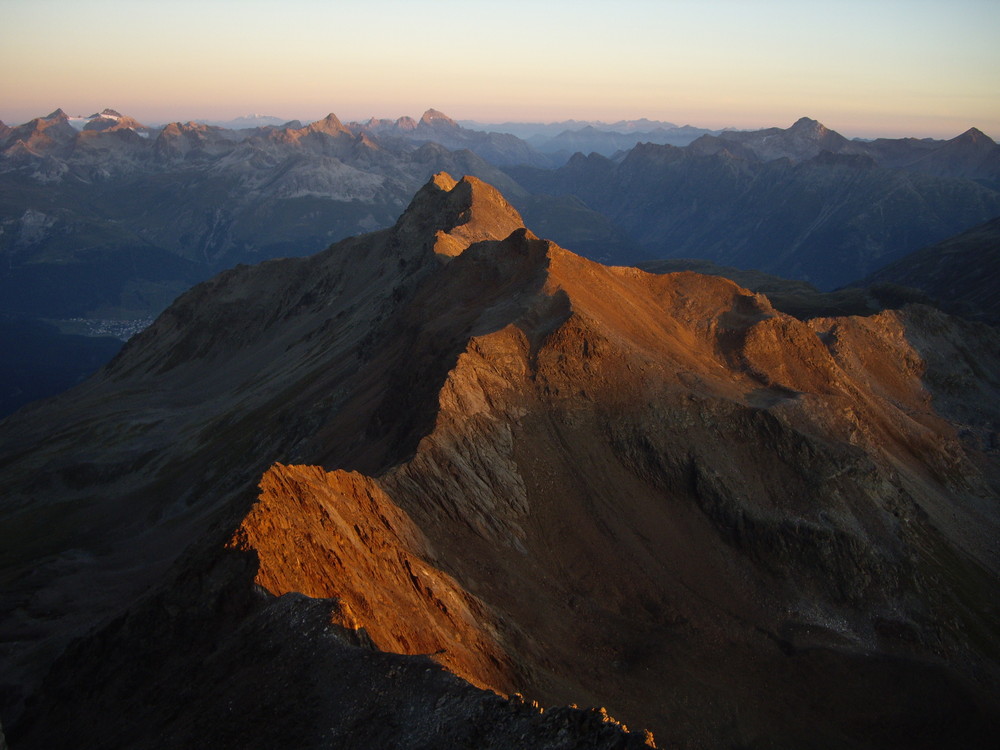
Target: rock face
point(464, 445)
point(347, 540)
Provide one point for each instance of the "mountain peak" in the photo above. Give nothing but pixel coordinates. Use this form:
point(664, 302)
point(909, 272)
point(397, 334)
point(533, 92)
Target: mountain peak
point(435, 119)
point(975, 135)
point(330, 125)
point(109, 119)
point(57, 115)
point(807, 124)
point(459, 213)
point(444, 181)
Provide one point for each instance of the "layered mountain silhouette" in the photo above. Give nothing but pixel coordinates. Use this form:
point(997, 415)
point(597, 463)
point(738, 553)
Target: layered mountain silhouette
point(802, 203)
point(105, 217)
point(560, 140)
point(502, 149)
point(114, 219)
point(337, 500)
point(959, 275)
point(611, 140)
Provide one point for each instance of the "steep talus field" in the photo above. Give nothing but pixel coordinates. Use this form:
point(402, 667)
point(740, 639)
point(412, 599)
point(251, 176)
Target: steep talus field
point(313, 483)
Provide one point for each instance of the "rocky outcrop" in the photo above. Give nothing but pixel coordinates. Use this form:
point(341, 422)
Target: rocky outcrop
point(339, 536)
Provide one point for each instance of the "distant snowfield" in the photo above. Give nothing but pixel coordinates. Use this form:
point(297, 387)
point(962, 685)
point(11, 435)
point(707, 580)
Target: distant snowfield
point(79, 122)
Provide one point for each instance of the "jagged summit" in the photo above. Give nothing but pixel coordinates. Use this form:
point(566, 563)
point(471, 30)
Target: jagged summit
point(106, 112)
point(804, 139)
point(331, 125)
point(808, 126)
point(110, 120)
point(444, 181)
point(465, 212)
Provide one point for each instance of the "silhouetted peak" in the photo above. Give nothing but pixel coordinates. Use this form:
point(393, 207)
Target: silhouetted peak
point(974, 136)
point(57, 115)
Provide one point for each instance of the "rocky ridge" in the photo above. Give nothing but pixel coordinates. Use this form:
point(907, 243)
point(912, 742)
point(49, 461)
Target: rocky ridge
point(588, 484)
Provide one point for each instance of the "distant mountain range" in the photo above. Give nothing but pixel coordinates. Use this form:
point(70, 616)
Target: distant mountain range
point(103, 217)
point(801, 202)
point(251, 121)
point(115, 218)
point(528, 130)
point(502, 149)
point(971, 155)
point(562, 140)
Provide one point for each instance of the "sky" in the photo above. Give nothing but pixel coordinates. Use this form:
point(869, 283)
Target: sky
point(865, 69)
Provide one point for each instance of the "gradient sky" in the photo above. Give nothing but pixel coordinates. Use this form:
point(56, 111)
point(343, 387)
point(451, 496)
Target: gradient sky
point(880, 67)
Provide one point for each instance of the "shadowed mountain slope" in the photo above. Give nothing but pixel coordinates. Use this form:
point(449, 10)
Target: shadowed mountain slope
point(962, 274)
point(592, 485)
point(959, 275)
